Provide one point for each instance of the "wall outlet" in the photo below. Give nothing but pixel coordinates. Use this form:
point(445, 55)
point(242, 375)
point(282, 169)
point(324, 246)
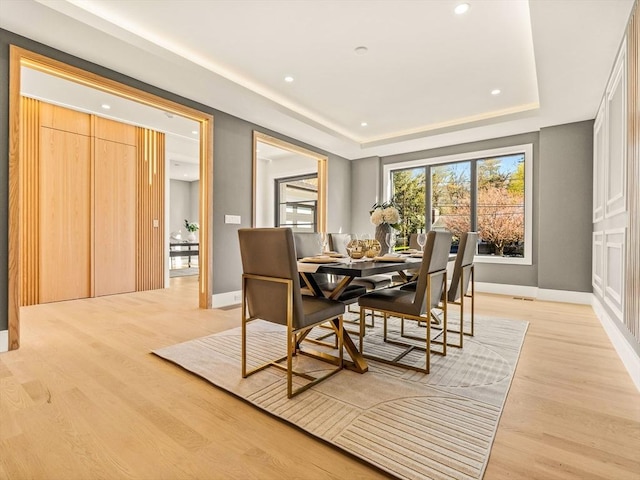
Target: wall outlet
point(235, 219)
point(237, 297)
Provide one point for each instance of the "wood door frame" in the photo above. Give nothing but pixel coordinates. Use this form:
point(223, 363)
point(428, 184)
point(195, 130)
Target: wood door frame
point(321, 224)
point(20, 57)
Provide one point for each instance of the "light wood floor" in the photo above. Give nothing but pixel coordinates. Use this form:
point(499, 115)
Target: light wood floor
point(84, 399)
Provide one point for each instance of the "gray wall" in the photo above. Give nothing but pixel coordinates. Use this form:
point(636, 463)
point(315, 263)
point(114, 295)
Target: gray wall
point(562, 202)
point(566, 204)
point(367, 183)
point(231, 178)
point(183, 204)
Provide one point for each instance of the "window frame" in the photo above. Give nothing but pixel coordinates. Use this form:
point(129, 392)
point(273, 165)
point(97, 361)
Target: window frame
point(277, 220)
point(525, 149)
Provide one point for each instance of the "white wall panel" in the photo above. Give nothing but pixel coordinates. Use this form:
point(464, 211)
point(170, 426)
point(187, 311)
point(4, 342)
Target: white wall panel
point(615, 164)
point(598, 262)
point(599, 159)
point(614, 248)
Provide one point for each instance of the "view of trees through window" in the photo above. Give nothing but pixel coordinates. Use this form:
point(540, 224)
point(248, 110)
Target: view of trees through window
point(484, 195)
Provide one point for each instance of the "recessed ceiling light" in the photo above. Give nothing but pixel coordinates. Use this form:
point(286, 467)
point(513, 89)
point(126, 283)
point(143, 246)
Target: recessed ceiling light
point(195, 132)
point(462, 8)
point(105, 106)
point(496, 91)
point(288, 79)
point(186, 175)
point(363, 124)
point(361, 50)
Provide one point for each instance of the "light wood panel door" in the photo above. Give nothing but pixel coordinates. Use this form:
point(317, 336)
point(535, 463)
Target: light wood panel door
point(65, 216)
point(115, 218)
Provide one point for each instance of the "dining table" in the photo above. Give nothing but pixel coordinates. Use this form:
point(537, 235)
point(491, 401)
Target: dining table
point(348, 270)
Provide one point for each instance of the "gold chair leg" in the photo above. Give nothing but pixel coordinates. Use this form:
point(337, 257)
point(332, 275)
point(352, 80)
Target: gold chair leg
point(428, 349)
point(385, 325)
point(444, 320)
point(361, 334)
point(473, 298)
point(461, 313)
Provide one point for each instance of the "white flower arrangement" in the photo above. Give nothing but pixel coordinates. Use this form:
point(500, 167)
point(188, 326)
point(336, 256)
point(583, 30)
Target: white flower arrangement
point(385, 213)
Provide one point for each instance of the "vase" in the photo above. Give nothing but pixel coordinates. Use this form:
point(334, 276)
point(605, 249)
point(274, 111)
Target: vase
point(381, 234)
point(191, 237)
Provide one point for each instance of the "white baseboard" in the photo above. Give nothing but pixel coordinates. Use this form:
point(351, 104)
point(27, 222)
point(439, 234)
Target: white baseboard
point(629, 357)
point(504, 289)
point(220, 300)
point(4, 341)
point(566, 296)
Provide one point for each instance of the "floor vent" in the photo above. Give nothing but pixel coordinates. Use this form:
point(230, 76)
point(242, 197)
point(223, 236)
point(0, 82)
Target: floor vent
point(526, 299)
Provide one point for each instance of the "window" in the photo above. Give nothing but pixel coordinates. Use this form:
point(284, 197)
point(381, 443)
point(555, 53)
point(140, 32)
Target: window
point(297, 202)
point(409, 196)
point(500, 209)
point(451, 197)
point(489, 192)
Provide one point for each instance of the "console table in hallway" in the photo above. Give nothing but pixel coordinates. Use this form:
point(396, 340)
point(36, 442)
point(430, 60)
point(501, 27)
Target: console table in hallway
point(176, 250)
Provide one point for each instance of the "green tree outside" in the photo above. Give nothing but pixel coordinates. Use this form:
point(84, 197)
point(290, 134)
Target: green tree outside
point(409, 197)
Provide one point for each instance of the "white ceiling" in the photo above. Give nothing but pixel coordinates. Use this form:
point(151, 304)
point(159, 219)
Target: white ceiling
point(424, 82)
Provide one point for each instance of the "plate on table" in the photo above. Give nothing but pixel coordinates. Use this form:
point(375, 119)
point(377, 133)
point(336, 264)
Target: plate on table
point(322, 259)
point(410, 251)
point(388, 258)
point(416, 255)
point(334, 255)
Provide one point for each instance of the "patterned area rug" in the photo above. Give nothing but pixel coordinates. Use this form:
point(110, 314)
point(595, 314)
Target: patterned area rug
point(411, 425)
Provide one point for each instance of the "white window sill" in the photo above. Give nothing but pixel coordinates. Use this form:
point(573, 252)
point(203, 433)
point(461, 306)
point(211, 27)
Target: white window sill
point(502, 260)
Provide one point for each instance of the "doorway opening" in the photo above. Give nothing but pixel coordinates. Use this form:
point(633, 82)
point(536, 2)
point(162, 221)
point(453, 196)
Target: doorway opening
point(20, 58)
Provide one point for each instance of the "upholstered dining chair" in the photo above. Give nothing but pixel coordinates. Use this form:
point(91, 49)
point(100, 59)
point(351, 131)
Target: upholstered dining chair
point(462, 278)
point(309, 244)
point(414, 304)
point(413, 241)
point(271, 292)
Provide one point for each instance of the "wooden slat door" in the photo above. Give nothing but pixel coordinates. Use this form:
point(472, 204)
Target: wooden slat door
point(115, 218)
point(65, 216)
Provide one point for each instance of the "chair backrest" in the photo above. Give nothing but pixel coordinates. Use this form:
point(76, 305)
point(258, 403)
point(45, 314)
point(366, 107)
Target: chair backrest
point(434, 259)
point(270, 252)
point(464, 261)
point(337, 242)
point(307, 244)
point(413, 241)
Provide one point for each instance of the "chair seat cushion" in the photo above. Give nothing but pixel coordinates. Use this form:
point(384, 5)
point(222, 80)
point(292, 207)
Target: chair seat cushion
point(317, 310)
point(390, 299)
point(373, 282)
point(410, 287)
point(348, 295)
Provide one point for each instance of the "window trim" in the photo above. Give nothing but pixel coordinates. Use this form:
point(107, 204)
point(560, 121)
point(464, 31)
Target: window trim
point(277, 202)
point(526, 149)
